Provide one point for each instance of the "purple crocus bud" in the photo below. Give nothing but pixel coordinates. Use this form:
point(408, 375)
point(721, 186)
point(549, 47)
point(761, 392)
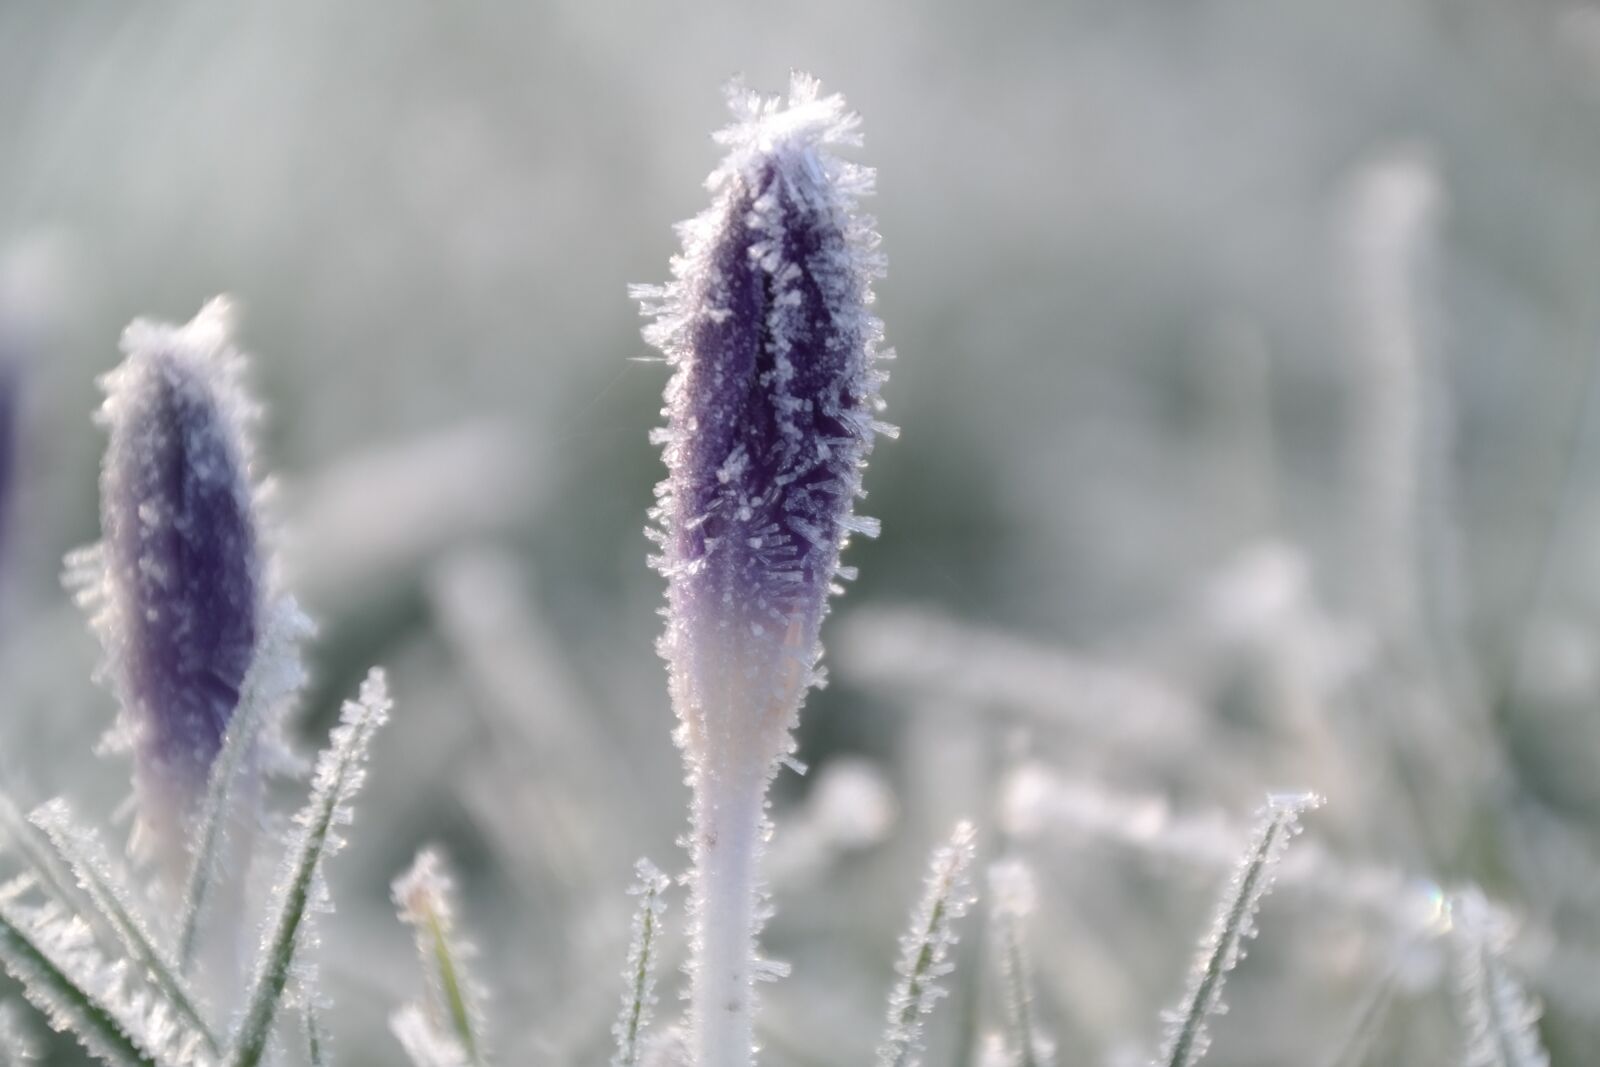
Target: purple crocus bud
point(178, 579)
point(771, 412)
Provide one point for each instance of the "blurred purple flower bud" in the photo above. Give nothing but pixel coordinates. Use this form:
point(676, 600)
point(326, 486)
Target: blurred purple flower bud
point(179, 577)
point(772, 407)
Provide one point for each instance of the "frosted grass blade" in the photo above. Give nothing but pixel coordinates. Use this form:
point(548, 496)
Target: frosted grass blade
point(1011, 899)
point(1354, 1050)
point(925, 949)
point(275, 673)
point(51, 954)
point(340, 771)
point(453, 1009)
point(48, 868)
point(315, 1044)
point(1501, 1022)
point(1221, 951)
point(639, 974)
point(82, 852)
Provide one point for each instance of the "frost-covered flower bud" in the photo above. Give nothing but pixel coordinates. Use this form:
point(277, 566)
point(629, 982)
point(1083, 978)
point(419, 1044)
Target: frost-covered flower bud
point(178, 579)
point(771, 413)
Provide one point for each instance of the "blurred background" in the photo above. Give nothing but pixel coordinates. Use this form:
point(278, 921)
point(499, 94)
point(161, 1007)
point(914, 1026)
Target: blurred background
point(1246, 375)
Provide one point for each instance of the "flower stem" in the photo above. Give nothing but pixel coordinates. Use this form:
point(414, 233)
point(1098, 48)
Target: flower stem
point(727, 844)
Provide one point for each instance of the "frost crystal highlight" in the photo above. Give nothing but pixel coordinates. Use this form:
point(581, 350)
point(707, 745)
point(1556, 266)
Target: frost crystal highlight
point(177, 583)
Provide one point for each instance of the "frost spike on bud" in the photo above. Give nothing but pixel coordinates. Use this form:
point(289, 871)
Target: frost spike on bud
point(771, 412)
point(177, 583)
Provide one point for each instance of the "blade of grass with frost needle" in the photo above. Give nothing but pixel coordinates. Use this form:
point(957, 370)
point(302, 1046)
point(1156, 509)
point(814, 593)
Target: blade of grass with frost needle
point(64, 975)
point(340, 772)
point(1223, 948)
point(80, 849)
point(925, 949)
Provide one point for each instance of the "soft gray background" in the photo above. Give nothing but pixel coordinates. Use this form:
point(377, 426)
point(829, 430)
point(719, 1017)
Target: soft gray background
point(1131, 348)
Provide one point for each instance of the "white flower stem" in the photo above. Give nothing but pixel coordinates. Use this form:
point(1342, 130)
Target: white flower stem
point(727, 844)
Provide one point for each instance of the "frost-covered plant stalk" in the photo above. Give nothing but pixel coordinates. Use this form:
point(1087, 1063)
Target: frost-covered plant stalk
point(1188, 1036)
point(925, 949)
point(639, 993)
point(771, 412)
point(446, 1029)
point(1011, 900)
point(1500, 1019)
point(178, 584)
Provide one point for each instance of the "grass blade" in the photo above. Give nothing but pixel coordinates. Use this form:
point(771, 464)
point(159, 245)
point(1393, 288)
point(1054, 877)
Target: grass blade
point(51, 954)
point(1011, 899)
point(925, 949)
point(639, 974)
point(1187, 1036)
point(1501, 1022)
point(81, 851)
point(424, 898)
point(340, 771)
point(274, 674)
point(48, 868)
point(316, 1044)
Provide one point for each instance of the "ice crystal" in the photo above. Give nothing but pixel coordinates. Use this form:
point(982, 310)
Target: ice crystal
point(1500, 1020)
point(1187, 1034)
point(925, 949)
point(639, 996)
point(178, 583)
